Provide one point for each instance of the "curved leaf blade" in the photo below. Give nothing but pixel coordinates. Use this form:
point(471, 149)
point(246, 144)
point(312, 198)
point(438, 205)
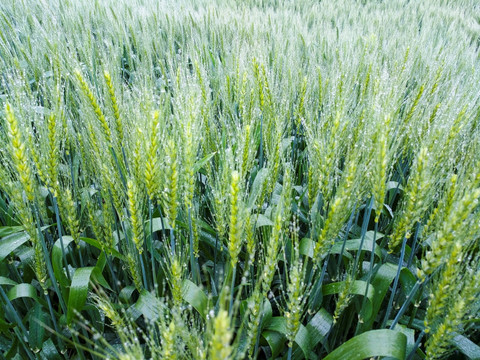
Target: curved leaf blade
point(381, 282)
point(12, 242)
point(279, 324)
point(358, 287)
point(319, 326)
point(372, 343)
point(7, 281)
point(467, 347)
point(257, 186)
point(99, 246)
point(193, 295)
point(36, 331)
point(148, 305)
point(22, 291)
point(78, 291)
point(57, 260)
point(8, 230)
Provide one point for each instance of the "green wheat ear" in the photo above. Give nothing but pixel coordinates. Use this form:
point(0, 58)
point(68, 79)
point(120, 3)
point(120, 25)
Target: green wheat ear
point(19, 154)
point(220, 347)
point(94, 104)
point(116, 112)
point(295, 292)
point(135, 215)
point(151, 167)
point(171, 183)
point(236, 219)
point(415, 201)
point(169, 351)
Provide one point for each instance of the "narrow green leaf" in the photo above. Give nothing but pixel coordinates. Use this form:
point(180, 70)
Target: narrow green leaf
point(126, 294)
point(372, 343)
point(97, 274)
point(407, 280)
point(358, 287)
point(381, 282)
point(354, 245)
point(201, 163)
point(319, 326)
point(392, 185)
point(275, 340)
point(467, 347)
point(36, 330)
point(57, 261)
point(22, 291)
point(49, 351)
point(285, 144)
point(12, 242)
point(409, 333)
point(149, 305)
point(101, 262)
point(307, 247)
point(6, 281)
point(78, 291)
point(99, 246)
point(157, 225)
point(257, 186)
point(193, 295)
point(267, 312)
point(302, 338)
point(262, 220)
point(8, 230)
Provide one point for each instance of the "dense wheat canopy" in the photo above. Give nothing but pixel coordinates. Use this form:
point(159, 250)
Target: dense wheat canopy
point(272, 179)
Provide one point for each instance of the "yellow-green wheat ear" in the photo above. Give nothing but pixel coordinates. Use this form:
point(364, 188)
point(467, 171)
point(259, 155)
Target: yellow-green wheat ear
point(220, 347)
point(295, 309)
point(134, 271)
point(176, 281)
point(19, 154)
point(95, 106)
point(169, 351)
point(53, 157)
point(171, 186)
point(135, 215)
point(414, 203)
point(116, 111)
point(151, 166)
point(235, 232)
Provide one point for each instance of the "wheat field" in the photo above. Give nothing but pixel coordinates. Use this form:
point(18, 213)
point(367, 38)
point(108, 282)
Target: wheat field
point(264, 179)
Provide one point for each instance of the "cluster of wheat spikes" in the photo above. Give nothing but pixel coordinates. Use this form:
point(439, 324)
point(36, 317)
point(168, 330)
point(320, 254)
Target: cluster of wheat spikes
point(239, 180)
